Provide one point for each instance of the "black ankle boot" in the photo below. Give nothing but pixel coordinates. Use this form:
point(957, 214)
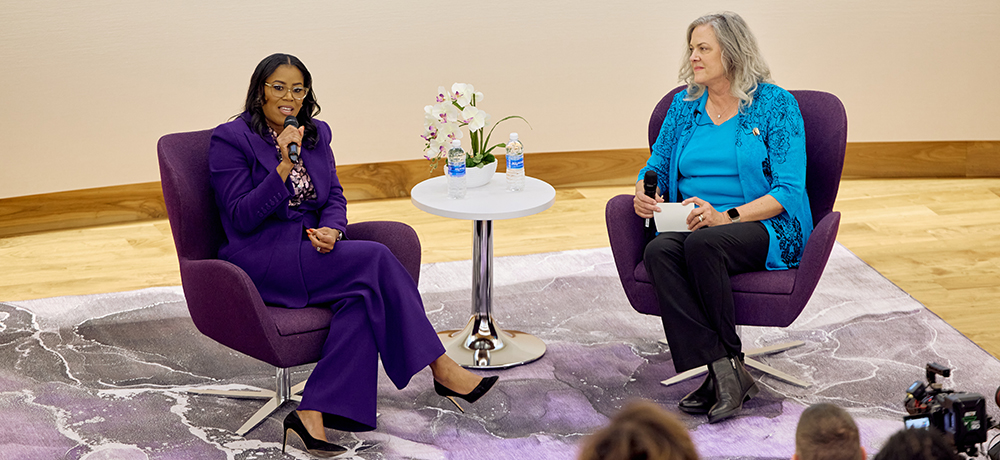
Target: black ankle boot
point(733, 386)
point(700, 400)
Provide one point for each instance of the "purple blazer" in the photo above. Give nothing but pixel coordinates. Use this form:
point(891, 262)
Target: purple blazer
point(264, 235)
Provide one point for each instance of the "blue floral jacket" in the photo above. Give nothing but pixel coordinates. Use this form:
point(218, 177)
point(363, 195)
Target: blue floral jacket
point(771, 151)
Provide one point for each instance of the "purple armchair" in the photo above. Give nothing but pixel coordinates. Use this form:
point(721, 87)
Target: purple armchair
point(767, 298)
point(222, 299)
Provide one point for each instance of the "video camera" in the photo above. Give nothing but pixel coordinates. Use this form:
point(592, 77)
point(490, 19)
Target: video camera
point(961, 416)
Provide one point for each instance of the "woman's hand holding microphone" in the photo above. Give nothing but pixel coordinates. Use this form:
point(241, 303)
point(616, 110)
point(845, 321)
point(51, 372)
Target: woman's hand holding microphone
point(289, 135)
point(644, 204)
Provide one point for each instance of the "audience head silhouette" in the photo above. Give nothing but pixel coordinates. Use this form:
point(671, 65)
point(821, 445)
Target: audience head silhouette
point(827, 432)
point(917, 444)
point(642, 430)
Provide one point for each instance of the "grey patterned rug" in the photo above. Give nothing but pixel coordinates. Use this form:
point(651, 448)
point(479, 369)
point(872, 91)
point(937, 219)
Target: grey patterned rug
point(103, 376)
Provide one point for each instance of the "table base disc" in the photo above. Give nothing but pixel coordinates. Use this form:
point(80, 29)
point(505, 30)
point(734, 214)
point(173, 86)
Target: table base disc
point(518, 348)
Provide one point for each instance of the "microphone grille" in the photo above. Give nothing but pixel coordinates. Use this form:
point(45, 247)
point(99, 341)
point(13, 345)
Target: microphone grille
point(294, 122)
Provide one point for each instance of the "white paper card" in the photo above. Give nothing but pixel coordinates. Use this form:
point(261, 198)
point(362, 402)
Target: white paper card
point(672, 217)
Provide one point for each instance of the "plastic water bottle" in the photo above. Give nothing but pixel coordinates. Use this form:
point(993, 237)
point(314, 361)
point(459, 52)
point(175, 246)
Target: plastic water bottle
point(515, 164)
point(456, 170)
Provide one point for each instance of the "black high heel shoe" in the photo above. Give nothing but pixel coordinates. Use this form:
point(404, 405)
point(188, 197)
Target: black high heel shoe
point(484, 385)
point(314, 446)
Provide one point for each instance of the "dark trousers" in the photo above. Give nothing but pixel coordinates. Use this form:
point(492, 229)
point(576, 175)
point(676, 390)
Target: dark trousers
point(690, 272)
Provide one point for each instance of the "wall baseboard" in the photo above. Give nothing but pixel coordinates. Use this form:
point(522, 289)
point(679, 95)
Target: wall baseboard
point(138, 202)
point(922, 159)
point(81, 208)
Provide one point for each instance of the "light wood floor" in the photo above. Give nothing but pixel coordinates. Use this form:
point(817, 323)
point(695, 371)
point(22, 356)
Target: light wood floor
point(938, 239)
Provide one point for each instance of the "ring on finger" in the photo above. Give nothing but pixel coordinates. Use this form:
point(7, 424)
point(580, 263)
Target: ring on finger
point(319, 250)
point(701, 218)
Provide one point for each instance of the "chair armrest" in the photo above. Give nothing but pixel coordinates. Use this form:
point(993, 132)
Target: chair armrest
point(400, 238)
point(225, 306)
point(815, 255)
point(627, 235)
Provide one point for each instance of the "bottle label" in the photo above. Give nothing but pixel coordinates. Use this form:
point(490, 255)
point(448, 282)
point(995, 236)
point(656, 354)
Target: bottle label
point(515, 162)
point(456, 170)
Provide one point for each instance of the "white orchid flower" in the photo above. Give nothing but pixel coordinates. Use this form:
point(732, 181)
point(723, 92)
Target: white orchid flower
point(462, 93)
point(442, 95)
point(430, 132)
point(435, 151)
point(445, 113)
point(430, 117)
point(474, 117)
point(448, 132)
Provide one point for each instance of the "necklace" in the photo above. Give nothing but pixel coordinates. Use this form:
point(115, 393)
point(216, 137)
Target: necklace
point(720, 114)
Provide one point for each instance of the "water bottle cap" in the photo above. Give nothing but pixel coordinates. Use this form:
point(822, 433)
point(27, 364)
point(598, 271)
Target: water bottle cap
point(513, 136)
point(456, 143)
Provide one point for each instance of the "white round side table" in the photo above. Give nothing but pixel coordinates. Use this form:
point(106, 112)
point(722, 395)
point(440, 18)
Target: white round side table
point(482, 344)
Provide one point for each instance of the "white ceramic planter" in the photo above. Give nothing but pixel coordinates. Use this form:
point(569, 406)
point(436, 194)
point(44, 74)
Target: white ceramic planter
point(478, 176)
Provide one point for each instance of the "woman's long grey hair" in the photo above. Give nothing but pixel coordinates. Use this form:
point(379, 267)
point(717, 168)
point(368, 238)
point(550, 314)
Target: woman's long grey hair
point(741, 59)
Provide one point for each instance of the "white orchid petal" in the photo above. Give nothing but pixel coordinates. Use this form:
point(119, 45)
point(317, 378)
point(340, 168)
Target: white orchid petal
point(469, 112)
point(478, 121)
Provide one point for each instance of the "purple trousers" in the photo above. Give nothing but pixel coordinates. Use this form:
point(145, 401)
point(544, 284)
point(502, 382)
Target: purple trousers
point(377, 311)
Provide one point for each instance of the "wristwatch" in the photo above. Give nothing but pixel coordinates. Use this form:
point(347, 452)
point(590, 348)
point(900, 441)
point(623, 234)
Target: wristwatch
point(734, 215)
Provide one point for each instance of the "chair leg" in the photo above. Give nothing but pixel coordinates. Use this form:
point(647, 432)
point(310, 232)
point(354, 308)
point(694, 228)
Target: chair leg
point(691, 373)
point(774, 348)
point(775, 373)
point(297, 389)
point(283, 392)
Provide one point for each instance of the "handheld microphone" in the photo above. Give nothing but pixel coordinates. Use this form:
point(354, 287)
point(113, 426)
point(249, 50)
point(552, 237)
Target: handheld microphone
point(293, 148)
point(649, 187)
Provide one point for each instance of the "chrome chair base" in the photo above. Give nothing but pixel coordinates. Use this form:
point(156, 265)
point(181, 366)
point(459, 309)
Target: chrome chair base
point(751, 363)
point(283, 393)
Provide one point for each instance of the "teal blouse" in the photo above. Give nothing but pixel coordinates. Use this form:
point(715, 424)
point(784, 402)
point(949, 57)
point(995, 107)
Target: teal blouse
point(707, 166)
point(771, 160)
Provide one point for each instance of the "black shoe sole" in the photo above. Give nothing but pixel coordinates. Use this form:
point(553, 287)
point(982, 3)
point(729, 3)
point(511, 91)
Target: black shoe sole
point(695, 410)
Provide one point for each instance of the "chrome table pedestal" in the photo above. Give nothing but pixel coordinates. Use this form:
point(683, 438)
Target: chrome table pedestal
point(482, 344)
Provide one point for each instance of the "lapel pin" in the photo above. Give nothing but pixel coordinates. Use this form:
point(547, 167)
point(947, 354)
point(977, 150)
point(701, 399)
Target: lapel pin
point(756, 132)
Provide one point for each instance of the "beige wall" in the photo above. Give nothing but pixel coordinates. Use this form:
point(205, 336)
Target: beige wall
point(90, 86)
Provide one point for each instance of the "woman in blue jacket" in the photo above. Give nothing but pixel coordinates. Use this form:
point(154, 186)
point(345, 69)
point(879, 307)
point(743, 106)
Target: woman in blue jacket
point(734, 145)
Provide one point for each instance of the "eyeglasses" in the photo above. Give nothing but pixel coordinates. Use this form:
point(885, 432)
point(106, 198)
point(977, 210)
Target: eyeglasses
point(279, 91)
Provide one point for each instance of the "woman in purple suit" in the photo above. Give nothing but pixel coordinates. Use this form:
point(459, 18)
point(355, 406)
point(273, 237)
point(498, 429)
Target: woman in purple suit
point(284, 215)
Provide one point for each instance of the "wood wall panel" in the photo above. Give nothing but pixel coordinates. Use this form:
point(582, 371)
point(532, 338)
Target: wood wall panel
point(983, 159)
point(137, 202)
point(916, 159)
point(81, 208)
point(922, 159)
point(383, 180)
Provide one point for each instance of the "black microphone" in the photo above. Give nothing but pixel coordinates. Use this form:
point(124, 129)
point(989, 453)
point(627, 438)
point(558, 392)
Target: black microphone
point(293, 148)
point(648, 186)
